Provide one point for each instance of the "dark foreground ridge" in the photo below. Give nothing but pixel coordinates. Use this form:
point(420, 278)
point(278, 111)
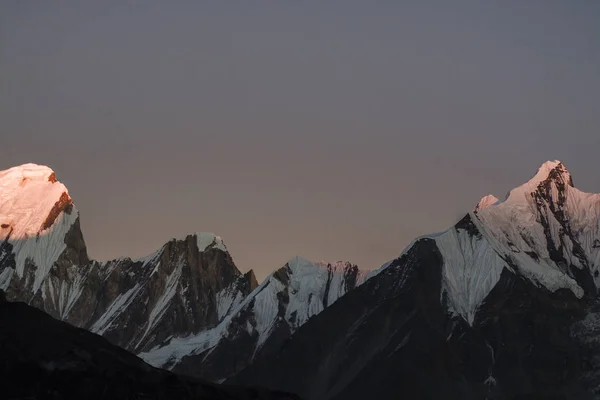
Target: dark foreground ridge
point(43, 358)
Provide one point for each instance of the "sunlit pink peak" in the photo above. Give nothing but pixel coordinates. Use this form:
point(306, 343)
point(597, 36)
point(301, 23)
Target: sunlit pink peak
point(30, 200)
point(36, 214)
point(550, 170)
point(28, 172)
point(486, 201)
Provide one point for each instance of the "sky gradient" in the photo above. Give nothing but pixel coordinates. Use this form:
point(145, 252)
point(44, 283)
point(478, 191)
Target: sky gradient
point(332, 130)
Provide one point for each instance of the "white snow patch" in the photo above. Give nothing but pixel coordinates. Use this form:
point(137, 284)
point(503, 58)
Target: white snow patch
point(121, 302)
point(70, 290)
point(208, 240)
point(228, 299)
point(306, 290)
point(471, 269)
point(164, 300)
point(5, 277)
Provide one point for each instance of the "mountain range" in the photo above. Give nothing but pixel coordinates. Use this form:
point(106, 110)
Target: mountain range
point(503, 305)
point(183, 307)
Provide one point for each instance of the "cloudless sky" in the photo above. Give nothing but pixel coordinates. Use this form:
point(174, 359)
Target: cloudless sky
point(332, 130)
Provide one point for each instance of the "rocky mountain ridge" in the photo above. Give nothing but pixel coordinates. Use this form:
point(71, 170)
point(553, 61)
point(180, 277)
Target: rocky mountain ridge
point(286, 300)
point(186, 303)
point(503, 305)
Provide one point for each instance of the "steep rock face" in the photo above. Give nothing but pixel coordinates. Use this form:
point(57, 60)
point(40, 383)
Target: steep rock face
point(46, 358)
point(286, 300)
point(187, 286)
point(180, 289)
point(502, 305)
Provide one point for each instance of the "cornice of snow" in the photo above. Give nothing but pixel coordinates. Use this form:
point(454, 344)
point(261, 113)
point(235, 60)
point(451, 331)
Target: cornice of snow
point(486, 201)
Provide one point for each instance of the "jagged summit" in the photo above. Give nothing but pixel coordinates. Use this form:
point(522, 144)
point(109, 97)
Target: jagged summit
point(550, 171)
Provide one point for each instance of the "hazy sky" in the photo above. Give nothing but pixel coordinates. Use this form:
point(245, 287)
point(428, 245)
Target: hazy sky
point(332, 130)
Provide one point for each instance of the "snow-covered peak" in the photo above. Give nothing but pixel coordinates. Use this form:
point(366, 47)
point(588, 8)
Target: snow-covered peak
point(30, 170)
point(550, 170)
point(36, 214)
point(544, 230)
point(486, 201)
point(29, 198)
point(208, 240)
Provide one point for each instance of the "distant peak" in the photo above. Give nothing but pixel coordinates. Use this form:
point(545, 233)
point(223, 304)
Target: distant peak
point(486, 201)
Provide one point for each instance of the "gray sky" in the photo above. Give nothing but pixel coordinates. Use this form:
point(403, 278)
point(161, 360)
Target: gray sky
point(332, 130)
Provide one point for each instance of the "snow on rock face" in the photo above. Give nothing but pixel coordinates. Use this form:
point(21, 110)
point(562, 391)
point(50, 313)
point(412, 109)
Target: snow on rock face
point(187, 286)
point(534, 230)
point(208, 240)
point(545, 230)
point(471, 267)
point(36, 214)
point(283, 302)
point(309, 287)
point(314, 286)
